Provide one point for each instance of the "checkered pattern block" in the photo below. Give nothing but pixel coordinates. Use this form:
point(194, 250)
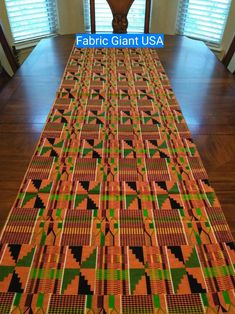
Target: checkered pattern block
point(116, 213)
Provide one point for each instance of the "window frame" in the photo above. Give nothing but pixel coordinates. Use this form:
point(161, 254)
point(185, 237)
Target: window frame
point(215, 45)
point(31, 41)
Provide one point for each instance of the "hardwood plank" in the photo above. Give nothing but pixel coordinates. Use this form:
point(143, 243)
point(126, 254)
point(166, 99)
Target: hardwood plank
point(8, 193)
point(18, 145)
point(22, 118)
point(13, 171)
point(21, 127)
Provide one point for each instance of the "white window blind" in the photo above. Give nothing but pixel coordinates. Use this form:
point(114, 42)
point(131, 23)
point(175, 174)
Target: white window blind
point(31, 19)
point(104, 17)
point(203, 19)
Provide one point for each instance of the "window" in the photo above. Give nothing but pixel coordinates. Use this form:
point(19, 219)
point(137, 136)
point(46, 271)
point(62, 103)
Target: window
point(104, 17)
point(31, 19)
point(203, 20)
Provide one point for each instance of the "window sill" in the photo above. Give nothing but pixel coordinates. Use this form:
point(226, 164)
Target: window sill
point(214, 48)
point(30, 43)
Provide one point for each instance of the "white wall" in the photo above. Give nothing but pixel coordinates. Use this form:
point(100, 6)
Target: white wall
point(231, 66)
point(164, 15)
point(229, 31)
point(70, 14)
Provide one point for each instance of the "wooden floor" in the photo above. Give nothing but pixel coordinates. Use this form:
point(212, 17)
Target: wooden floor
point(203, 87)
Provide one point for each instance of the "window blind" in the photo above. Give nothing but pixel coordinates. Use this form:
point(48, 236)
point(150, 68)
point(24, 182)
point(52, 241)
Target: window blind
point(31, 19)
point(104, 17)
point(204, 20)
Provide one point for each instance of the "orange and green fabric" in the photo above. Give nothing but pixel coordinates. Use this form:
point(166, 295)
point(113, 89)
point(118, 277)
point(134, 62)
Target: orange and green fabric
point(116, 213)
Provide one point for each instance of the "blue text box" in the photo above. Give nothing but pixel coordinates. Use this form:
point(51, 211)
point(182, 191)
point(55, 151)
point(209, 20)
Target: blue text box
point(120, 41)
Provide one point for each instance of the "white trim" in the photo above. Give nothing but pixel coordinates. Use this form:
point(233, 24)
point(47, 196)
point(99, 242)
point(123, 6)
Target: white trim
point(31, 43)
point(214, 48)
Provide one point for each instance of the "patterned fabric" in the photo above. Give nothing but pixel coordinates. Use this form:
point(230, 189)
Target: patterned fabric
point(116, 213)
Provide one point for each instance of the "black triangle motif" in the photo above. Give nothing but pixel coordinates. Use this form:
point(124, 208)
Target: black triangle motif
point(155, 122)
point(53, 153)
point(138, 252)
point(163, 155)
point(37, 183)
point(77, 253)
point(15, 285)
point(194, 285)
point(85, 185)
point(162, 185)
point(153, 142)
point(38, 203)
point(63, 120)
point(51, 140)
point(15, 250)
point(95, 154)
point(91, 204)
point(176, 250)
point(98, 121)
point(130, 143)
point(174, 204)
point(84, 287)
point(90, 142)
point(132, 185)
